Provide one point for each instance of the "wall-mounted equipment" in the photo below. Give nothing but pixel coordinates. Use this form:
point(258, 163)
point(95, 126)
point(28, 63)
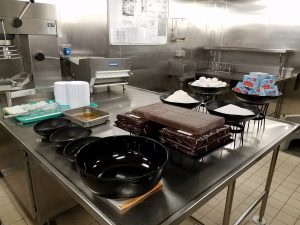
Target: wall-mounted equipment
point(26, 31)
point(178, 29)
point(101, 72)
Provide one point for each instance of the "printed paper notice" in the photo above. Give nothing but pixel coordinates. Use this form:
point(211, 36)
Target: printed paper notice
point(138, 22)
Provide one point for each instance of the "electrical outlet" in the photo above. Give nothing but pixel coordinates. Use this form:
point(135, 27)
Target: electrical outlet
point(180, 53)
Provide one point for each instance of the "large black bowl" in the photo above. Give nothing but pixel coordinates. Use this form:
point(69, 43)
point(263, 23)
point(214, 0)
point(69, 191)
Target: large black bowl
point(211, 106)
point(207, 90)
point(72, 148)
point(184, 105)
point(65, 135)
point(46, 127)
point(121, 166)
point(254, 98)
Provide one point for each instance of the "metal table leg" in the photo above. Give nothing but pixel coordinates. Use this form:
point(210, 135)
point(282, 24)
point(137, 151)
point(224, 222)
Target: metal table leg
point(228, 204)
point(259, 219)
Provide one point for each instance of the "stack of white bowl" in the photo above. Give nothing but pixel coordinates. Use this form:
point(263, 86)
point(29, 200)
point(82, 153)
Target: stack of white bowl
point(77, 93)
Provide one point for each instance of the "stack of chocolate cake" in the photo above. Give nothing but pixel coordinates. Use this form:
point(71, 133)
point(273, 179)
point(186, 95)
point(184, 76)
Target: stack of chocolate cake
point(191, 132)
point(137, 125)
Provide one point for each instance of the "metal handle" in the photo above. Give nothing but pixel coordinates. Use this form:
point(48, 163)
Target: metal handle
point(17, 22)
point(39, 56)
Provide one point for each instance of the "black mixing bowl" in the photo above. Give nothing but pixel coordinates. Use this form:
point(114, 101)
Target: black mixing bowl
point(121, 166)
point(212, 105)
point(207, 90)
point(46, 127)
point(179, 104)
point(72, 148)
point(65, 135)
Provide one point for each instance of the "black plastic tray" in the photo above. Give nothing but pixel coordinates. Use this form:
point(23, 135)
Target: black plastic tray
point(255, 98)
point(184, 105)
point(215, 104)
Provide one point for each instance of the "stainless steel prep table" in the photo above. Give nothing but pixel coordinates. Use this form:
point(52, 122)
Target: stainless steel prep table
point(184, 191)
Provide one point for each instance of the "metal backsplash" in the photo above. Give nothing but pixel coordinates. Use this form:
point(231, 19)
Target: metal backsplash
point(84, 26)
point(233, 23)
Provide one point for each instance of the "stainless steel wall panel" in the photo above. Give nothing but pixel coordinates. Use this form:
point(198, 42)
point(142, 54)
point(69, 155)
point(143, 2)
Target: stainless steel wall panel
point(87, 32)
point(31, 26)
point(12, 8)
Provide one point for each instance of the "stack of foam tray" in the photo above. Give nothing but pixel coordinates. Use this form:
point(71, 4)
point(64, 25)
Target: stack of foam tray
point(191, 132)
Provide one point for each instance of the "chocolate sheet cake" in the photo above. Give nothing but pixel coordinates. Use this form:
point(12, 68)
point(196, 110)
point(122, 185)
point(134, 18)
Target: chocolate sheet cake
point(195, 145)
point(137, 125)
point(194, 122)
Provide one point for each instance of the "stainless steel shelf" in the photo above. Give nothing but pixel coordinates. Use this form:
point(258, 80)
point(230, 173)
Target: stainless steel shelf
point(278, 51)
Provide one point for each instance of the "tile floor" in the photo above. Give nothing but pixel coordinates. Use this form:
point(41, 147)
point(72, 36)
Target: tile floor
point(283, 206)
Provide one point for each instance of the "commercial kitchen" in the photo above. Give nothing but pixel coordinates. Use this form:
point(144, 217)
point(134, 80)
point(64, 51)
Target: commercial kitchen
point(145, 112)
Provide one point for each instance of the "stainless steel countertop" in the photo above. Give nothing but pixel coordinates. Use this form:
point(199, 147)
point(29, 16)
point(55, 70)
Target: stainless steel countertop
point(184, 190)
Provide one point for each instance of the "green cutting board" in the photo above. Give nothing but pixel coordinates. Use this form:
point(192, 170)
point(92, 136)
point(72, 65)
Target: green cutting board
point(38, 116)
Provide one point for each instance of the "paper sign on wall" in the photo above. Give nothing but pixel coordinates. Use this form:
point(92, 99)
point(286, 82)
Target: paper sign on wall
point(138, 22)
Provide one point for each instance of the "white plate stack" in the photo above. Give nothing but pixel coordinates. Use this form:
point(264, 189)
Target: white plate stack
point(73, 93)
point(78, 94)
point(60, 92)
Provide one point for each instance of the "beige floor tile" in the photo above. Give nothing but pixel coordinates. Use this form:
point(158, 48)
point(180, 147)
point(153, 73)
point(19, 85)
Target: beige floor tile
point(220, 207)
point(20, 222)
point(186, 222)
point(221, 196)
point(11, 218)
point(6, 209)
point(281, 197)
point(293, 180)
point(212, 203)
point(296, 195)
point(283, 171)
point(204, 209)
point(275, 203)
point(280, 175)
point(245, 189)
point(289, 185)
point(286, 218)
point(251, 184)
point(5, 200)
point(291, 210)
point(271, 211)
point(240, 195)
point(277, 222)
point(198, 215)
point(207, 221)
point(293, 202)
point(257, 179)
point(298, 222)
point(215, 216)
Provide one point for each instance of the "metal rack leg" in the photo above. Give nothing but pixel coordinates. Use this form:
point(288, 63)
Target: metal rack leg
point(228, 204)
point(259, 219)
